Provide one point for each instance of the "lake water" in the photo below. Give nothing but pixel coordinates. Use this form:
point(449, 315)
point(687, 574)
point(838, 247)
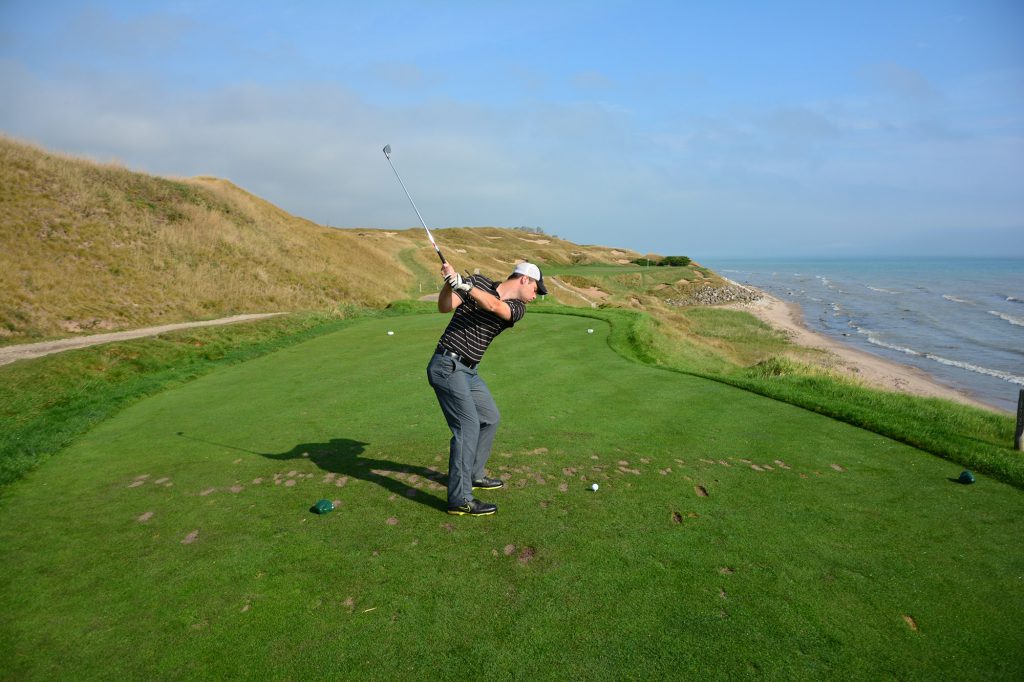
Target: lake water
point(960, 320)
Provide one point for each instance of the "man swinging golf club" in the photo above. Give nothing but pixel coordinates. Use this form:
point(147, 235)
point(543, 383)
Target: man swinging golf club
point(482, 310)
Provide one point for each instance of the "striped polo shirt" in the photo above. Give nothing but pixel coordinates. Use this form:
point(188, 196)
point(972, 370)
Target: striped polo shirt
point(472, 328)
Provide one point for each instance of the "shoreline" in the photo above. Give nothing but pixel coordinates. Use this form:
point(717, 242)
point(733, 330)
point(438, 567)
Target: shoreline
point(873, 370)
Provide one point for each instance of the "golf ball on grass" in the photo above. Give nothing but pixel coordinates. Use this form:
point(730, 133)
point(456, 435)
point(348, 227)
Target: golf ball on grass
point(391, 333)
point(590, 331)
point(594, 487)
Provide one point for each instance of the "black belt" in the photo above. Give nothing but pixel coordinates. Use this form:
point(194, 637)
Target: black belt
point(441, 350)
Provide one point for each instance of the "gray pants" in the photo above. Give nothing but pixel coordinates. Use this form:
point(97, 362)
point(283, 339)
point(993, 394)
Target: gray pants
point(473, 418)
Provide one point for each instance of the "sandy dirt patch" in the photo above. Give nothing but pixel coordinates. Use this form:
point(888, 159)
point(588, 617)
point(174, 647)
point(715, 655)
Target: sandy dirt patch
point(28, 351)
point(582, 293)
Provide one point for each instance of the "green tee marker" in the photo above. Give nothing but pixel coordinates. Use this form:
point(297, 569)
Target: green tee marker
point(322, 507)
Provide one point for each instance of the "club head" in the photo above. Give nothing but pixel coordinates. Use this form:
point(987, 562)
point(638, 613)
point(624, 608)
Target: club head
point(387, 150)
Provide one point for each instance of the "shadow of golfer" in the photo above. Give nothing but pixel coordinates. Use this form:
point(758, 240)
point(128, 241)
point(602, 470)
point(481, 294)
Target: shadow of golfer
point(343, 456)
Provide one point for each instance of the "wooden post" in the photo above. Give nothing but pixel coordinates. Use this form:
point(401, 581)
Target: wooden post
point(1018, 435)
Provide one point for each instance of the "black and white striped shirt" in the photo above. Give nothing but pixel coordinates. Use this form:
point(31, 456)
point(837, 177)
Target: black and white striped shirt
point(472, 328)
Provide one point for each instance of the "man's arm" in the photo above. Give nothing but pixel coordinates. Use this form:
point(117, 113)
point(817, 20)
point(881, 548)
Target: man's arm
point(447, 301)
point(491, 304)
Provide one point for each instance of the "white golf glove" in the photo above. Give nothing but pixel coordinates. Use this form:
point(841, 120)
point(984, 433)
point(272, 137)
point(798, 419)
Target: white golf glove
point(463, 286)
point(454, 280)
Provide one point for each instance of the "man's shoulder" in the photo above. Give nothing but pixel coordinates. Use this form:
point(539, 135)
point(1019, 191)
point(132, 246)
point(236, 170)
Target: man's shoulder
point(484, 282)
point(518, 309)
point(483, 279)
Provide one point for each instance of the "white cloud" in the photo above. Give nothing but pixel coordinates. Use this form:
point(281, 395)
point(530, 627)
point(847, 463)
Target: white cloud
point(853, 172)
point(97, 31)
point(592, 80)
point(403, 75)
point(904, 82)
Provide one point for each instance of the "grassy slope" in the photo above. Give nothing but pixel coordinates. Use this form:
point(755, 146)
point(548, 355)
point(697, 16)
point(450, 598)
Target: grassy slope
point(96, 247)
point(801, 570)
point(89, 247)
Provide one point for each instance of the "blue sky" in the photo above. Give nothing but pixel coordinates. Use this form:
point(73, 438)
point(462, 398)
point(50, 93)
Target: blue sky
point(714, 130)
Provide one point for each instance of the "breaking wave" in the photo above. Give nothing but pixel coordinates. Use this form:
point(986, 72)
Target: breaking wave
point(1005, 376)
point(1018, 321)
point(878, 342)
point(881, 290)
point(977, 369)
point(954, 299)
point(1014, 299)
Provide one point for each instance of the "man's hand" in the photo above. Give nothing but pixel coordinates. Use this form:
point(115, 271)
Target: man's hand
point(454, 280)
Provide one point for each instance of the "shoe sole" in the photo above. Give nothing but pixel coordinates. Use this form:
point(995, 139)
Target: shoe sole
point(488, 487)
point(455, 512)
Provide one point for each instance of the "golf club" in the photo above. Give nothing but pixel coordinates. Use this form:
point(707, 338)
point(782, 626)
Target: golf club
point(387, 155)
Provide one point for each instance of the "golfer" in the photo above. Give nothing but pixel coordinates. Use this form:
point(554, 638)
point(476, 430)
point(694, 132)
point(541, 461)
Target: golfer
point(483, 309)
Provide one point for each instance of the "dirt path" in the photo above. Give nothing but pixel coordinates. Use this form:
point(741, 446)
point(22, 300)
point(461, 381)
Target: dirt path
point(573, 291)
point(9, 354)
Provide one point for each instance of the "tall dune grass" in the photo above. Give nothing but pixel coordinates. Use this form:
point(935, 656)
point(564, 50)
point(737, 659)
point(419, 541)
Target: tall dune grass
point(87, 247)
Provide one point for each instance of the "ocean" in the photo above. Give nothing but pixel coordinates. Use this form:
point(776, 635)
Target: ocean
point(959, 320)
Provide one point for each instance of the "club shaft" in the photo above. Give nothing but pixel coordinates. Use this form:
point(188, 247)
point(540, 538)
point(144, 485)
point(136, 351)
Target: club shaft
point(409, 197)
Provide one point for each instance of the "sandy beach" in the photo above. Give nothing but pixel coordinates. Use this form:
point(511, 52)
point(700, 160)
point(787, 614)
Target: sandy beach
point(870, 369)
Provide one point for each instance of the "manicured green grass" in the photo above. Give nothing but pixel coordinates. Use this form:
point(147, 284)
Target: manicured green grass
point(46, 403)
point(821, 550)
point(979, 439)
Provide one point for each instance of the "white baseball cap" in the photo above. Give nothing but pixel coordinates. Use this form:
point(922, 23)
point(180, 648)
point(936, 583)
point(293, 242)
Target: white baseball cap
point(533, 272)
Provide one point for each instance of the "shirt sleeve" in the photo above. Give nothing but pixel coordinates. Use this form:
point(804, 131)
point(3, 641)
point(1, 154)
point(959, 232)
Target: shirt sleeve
point(518, 309)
